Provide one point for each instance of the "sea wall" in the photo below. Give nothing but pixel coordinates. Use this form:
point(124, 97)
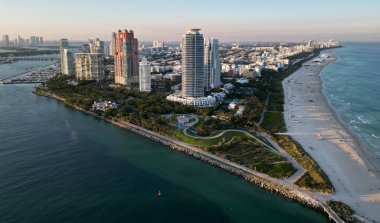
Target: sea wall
point(245, 173)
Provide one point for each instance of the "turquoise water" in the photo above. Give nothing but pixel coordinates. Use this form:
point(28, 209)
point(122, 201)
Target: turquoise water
point(352, 86)
point(60, 165)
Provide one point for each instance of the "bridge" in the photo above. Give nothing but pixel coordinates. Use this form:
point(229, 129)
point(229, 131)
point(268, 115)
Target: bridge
point(31, 58)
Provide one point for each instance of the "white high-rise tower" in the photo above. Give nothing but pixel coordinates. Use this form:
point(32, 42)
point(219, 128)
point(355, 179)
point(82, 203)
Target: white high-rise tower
point(144, 76)
point(212, 64)
point(193, 77)
point(67, 58)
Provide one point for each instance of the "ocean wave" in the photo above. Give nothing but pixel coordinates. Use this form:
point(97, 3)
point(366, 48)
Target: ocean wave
point(362, 119)
point(356, 127)
point(354, 121)
point(375, 136)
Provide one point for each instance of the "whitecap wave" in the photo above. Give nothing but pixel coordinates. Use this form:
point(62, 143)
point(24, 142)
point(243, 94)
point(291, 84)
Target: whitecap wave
point(375, 136)
point(356, 127)
point(353, 121)
point(374, 146)
point(362, 119)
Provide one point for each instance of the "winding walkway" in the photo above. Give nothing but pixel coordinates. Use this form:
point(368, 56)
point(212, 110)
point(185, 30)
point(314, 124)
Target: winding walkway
point(267, 147)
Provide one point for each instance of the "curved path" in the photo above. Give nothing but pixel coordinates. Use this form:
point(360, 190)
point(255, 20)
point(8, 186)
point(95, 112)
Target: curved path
point(274, 147)
point(268, 147)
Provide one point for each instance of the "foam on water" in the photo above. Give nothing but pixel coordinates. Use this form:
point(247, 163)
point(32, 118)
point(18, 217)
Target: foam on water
point(351, 85)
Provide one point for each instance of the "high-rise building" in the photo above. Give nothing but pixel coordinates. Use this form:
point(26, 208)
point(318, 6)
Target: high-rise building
point(144, 76)
point(193, 77)
point(126, 58)
point(212, 64)
point(5, 40)
point(20, 41)
point(33, 41)
point(107, 50)
point(85, 48)
point(41, 40)
point(112, 44)
point(96, 46)
point(89, 66)
point(67, 59)
point(158, 44)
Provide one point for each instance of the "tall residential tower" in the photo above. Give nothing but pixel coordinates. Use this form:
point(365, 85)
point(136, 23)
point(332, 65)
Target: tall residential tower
point(212, 64)
point(126, 58)
point(144, 76)
point(96, 46)
point(193, 72)
point(5, 40)
point(67, 58)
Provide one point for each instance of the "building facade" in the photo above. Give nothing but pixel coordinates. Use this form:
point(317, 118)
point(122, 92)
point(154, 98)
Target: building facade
point(67, 58)
point(89, 66)
point(212, 64)
point(112, 45)
point(96, 46)
point(193, 77)
point(145, 78)
point(158, 44)
point(5, 40)
point(126, 58)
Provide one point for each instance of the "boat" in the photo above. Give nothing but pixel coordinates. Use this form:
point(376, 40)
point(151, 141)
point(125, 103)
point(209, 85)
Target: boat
point(159, 194)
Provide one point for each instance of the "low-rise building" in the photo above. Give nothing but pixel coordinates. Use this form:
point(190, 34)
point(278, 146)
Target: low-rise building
point(207, 101)
point(242, 81)
point(219, 95)
point(104, 105)
point(228, 86)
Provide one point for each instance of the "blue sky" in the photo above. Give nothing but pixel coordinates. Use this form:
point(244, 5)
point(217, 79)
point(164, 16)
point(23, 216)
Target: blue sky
point(228, 20)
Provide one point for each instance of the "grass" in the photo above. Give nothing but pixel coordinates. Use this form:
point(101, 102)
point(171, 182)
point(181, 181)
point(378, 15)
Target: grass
point(343, 210)
point(253, 155)
point(239, 147)
point(208, 142)
point(274, 121)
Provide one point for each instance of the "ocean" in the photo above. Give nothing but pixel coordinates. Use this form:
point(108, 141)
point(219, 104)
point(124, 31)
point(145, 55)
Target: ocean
point(352, 87)
point(60, 165)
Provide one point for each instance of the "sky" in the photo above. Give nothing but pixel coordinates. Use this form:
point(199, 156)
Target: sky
point(167, 20)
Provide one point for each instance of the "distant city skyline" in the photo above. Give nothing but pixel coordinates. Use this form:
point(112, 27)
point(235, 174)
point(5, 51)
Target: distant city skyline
point(166, 20)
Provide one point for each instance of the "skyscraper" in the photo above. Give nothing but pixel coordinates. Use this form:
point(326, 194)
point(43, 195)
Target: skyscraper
point(144, 76)
point(89, 66)
point(20, 41)
point(96, 46)
point(85, 48)
point(157, 44)
point(126, 58)
point(212, 64)
point(33, 41)
point(67, 59)
point(5, 40)
point(112, 44)
point(193, 77)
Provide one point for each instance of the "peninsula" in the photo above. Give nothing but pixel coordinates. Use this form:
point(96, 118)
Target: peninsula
point(260, 150)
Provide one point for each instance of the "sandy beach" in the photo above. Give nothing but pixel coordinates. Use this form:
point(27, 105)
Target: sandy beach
point(354, 171)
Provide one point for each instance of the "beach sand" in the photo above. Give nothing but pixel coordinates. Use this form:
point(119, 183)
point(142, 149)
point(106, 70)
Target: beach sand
point(353, 170)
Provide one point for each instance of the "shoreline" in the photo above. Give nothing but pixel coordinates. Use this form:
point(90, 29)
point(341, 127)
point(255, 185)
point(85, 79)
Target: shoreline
point(349, 165)
point(268, 183)
point(370, 156)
